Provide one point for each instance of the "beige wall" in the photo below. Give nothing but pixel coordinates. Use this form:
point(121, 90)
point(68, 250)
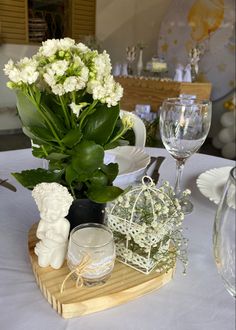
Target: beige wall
point(119, 23)
point(122, 23)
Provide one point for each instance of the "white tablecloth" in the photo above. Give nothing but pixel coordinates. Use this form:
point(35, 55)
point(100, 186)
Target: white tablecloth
point(195, 301)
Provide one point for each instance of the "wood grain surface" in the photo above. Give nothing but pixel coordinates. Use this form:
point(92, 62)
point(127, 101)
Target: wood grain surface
point(124, 285)
point(154, 92)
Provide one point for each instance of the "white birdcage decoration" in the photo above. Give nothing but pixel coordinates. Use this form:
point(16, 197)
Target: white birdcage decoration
point(147, 223)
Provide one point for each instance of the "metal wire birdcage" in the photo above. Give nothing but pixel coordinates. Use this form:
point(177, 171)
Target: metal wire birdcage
point(147, 222)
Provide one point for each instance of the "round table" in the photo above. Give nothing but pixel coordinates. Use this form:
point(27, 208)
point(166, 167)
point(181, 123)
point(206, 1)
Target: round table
point(195, 301)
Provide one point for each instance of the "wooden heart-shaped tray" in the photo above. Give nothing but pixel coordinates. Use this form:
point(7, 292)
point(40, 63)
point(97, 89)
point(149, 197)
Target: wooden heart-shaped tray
point(124, 284)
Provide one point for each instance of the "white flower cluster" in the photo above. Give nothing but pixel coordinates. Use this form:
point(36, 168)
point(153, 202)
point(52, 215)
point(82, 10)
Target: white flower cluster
point(61, 66)
point(25, 71)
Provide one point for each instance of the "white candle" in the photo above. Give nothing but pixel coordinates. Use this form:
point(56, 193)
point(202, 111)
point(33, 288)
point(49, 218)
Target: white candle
point(94, 242)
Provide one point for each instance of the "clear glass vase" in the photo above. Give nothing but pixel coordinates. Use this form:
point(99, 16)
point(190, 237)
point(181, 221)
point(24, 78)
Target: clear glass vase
point(224, 234)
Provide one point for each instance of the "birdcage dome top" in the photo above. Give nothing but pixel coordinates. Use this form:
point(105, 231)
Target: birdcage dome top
point(146, 203)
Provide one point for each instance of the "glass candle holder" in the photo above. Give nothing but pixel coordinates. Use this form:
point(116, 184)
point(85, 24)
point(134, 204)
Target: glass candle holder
point(91, 245)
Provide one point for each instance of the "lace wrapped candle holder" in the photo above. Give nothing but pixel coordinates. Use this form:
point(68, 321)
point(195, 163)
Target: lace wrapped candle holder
point(91, 254)
point(147, 227)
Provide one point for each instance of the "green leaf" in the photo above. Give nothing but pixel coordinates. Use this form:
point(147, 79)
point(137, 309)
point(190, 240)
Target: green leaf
point(103, 194)
point(34, 138)
point(39, 151)
point(99, 178)
point(37, 95)
point(72, 137)
point(55, 165)
point(30, 178)
point(88, 156)
point(54, 112)
point(27, 132)
point(41, 133)
point(100, 125)
point(57, 156)
point(71, 174)
point(83, 176)
point(111, 170)
point(111, 145)
point(28, 112)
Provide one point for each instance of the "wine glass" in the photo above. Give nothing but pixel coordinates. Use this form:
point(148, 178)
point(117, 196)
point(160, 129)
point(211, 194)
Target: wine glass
point(224, 234)
point(184, 125)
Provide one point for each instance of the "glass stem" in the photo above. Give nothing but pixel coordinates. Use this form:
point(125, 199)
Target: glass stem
point(179, 171)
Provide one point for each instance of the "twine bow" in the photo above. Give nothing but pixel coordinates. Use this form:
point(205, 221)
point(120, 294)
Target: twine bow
point(78, 270)
point(82, 267)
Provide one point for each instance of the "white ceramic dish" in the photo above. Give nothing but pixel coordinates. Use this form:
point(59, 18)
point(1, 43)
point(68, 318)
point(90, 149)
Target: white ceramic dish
point(211, 182)
point(132, 163)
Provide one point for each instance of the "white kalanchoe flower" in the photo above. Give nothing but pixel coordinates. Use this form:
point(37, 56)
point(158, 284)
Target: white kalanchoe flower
point(24, 71)
point(50, 79)
point(115, 96)
point(66, 67)
point(84, 74)
point(14, 75)
point(76, 108)
point(29, 75)
point(82, 48)
point(128, 120)
point(58, 89)
point(94, 87)
point(59, 67)
point(49, 47)
point(102, 86)
point(77, 62)
point(66, 43)
point(70, 84)
point(102, 65)
point(8, 67)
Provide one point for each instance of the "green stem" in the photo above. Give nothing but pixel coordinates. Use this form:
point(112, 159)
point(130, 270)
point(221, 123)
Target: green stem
point(31, 97)
point(72, 192)
point(119, 135)
point(72, 116)
point(44, 150)
point(86, 112)
point(65, 112)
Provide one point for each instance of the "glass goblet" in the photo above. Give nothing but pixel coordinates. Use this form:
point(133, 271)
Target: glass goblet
point(184, 126)
point(224, 234)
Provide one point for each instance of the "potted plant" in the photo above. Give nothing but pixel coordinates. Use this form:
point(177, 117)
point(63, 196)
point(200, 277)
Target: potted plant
point(68, 103)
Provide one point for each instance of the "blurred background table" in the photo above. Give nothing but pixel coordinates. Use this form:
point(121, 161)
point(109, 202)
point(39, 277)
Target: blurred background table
point(153, 91)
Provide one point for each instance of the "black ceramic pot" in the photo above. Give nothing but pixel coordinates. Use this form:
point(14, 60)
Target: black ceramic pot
point(83, 211)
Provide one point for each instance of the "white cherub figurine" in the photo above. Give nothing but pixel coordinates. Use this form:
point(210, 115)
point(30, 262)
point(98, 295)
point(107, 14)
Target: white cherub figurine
point(53, 201)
